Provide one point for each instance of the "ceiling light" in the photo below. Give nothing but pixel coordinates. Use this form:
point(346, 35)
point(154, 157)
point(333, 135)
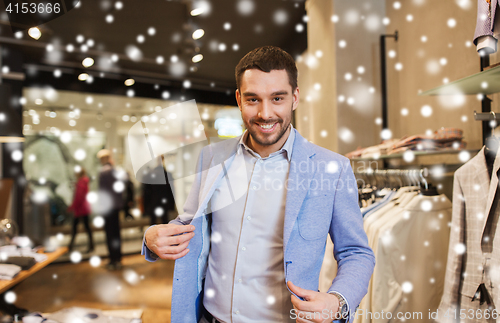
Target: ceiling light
point(38, 101)
point(83, 77)
point(198, 33)
point(88, 62)
point(35, 33)
point(197, 12)
point(197, 58)
point(129, 82)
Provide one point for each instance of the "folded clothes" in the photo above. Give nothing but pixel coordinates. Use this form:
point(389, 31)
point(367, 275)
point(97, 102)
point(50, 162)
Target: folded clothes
point(448, 134)
point(442, 139)
point(14, 251)
point(8, 271)
point(24, 262)
point(356, 153)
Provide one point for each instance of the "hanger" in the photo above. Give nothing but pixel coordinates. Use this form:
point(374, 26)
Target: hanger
point(429, 190)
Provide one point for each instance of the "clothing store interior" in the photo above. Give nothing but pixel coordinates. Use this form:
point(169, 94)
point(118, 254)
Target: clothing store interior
point(406, 89)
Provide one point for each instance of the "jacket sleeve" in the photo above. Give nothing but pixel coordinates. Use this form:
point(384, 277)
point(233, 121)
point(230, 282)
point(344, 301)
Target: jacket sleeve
point(451, 292)
point(190, 208)
point(354, 257)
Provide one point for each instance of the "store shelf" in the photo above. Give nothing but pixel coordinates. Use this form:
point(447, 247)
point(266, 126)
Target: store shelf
point(485, 82)
point(422, 159)
point(472, 152)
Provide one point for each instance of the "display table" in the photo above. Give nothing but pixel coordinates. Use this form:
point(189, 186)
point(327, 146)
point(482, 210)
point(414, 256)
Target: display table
point(23, 274)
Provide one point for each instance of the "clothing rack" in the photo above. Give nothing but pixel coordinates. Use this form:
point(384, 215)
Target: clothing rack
point(487, 116)
point(414, 176)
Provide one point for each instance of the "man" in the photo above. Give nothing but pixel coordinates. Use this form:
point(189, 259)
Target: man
point(111, 200)
point(259, 213)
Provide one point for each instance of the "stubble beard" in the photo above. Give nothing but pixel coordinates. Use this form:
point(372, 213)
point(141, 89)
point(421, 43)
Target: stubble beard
point(278, 137)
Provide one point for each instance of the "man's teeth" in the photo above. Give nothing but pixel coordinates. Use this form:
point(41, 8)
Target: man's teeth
point(267, 126)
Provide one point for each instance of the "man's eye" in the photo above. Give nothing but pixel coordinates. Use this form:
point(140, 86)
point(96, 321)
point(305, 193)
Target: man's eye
point(252, 100)
point(278, 99)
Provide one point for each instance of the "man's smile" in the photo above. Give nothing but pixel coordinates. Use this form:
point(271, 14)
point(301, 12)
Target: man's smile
point(267, 127)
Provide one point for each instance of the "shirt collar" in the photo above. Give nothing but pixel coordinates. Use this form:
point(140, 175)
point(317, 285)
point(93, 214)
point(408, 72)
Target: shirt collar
point(287, 147)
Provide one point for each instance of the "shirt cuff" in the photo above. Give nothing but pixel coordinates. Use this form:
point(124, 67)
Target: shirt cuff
point(488, 43)
point(148, 254)
point(347, 303)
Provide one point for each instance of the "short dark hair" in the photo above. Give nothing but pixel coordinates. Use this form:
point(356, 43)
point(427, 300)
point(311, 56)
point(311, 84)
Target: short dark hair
point(266, 59)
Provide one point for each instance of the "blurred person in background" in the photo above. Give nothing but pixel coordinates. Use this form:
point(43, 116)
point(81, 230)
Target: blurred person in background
point(129, 198)
point(81, 208)
point(111, 200)
point(157, 194)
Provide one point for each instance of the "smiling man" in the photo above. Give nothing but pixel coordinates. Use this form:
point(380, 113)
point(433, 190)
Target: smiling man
point(259, 213)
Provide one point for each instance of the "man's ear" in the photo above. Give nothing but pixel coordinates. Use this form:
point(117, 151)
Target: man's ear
point(238, 98)
point(295, 98)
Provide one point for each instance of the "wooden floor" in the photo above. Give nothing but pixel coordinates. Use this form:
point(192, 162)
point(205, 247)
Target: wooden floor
point(139, 284)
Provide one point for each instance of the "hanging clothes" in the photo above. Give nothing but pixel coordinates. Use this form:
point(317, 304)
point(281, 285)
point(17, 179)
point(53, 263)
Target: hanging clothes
point(409, 235)
point(411, 253)
point(473, 267)
point(487, 26)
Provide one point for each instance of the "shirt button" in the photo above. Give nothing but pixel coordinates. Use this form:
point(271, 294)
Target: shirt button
point(240, 280)
point(255, 187)
point(237, 312)
point(261, 161)
point(243, 248)
point(249, 218)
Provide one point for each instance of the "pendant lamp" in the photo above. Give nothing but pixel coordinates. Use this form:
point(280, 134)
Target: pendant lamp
point(11, 129)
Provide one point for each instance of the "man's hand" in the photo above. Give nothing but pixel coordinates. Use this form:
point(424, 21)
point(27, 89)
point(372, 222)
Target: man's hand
point(169, 241)
point(316, 307)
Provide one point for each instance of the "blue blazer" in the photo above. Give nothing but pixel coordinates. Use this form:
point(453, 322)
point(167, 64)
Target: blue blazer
point(322, 199)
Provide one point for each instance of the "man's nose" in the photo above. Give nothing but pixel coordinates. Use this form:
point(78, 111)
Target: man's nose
point(265, 110)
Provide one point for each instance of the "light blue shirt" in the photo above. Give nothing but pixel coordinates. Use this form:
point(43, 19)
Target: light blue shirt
point(245, 280)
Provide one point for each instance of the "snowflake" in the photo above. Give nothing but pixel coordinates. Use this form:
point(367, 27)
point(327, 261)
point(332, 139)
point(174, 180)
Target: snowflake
point(75, 257)
point(95, 261)
point(407, 287)
point(459, 248)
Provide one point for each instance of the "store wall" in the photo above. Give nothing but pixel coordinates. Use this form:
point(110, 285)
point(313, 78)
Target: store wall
point(358, 26)
point(445, 53)
point(316, 117)
point(346, 103)
point(430, 51)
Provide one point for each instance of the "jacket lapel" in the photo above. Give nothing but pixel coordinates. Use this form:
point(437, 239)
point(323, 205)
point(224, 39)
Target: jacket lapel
point(298, 183)
point(219, 163)
point(482, 175)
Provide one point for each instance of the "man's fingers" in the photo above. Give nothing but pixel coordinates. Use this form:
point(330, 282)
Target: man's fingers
point(175, 240)
point(308, 306)
point(305, 294)
point(178, 229)
point(299, 291)
point(175, 256)
point(173, 249)
point(304, 305)
point(295, 301)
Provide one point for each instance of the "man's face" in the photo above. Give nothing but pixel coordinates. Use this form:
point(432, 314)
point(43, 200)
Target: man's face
point(104, 160)
point(266, 102)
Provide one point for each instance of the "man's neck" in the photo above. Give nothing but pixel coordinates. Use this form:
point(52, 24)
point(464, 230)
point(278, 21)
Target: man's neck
point(265, 151)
